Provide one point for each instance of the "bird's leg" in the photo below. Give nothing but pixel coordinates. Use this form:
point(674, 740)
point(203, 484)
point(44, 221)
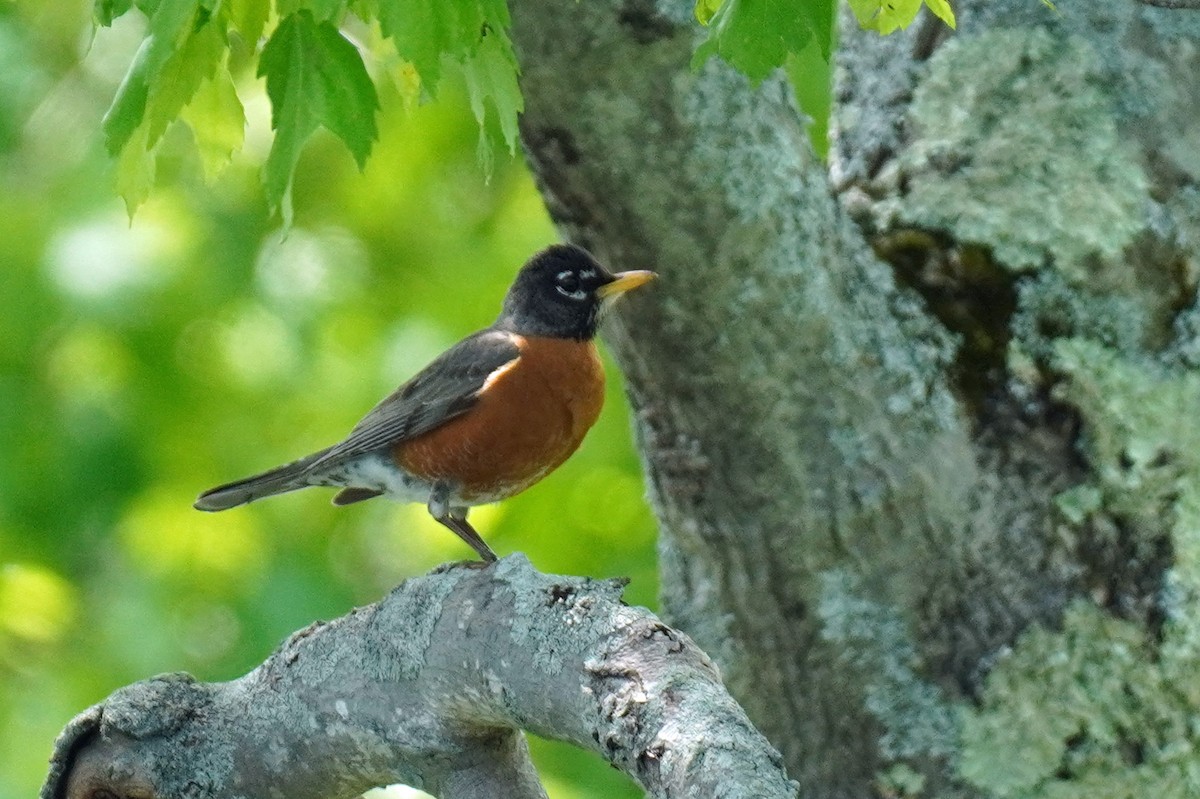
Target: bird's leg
point(467, 533)
point(456, 520)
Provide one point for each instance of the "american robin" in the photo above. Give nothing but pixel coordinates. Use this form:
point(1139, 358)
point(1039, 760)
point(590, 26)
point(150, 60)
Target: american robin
point(486, 419)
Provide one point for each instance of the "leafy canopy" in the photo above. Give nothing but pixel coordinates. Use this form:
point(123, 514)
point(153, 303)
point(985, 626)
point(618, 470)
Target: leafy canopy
point(758, 36)
point(316, 76)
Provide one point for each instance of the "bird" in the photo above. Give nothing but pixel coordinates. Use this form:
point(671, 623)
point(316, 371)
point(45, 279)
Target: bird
point(487, 418)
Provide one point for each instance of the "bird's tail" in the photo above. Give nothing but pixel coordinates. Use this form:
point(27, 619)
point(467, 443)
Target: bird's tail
point(280, 480)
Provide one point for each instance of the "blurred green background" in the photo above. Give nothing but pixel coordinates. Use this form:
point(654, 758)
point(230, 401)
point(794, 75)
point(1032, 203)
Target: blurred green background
point(141, 363)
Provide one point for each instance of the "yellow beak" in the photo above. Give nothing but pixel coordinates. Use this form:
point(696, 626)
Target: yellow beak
point(626, 281)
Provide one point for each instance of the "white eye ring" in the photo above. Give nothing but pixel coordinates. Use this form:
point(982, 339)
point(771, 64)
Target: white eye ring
point(578, 294)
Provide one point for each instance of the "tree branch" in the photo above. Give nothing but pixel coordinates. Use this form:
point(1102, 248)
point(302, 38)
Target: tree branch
point(1191, 5)
point(431, 687)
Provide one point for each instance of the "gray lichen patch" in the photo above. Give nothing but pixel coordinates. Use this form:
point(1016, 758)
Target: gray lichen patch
point(155, 707)
point(1090, 711)
point(741, 137)
point(1104, 707)
point(917, 719)
point(1141, 438)
point(545, 604)
point(787, 255)
point(169, 715)
point(1141, 416)
point(421, 601)
point(1181, 596)
point(1050, 310)
point(1013, 145)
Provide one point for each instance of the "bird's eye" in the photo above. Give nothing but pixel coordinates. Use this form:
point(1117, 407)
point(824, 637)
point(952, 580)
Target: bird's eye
point(568, 281)
point(567, 284)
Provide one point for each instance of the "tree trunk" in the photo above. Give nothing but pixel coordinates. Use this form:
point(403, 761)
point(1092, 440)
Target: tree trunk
point(916, 423)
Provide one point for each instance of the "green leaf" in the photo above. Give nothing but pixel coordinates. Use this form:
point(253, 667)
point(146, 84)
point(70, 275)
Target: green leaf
point(170, 24)
point(495, 19)
point(218, 122)
point(810, 76)
point(314, 77)
point(943, 11)
point(249, 17)
point(408, 84)
point(432, 35)
point(820, 15)
point(705, 10)
point(147, 7)
point(322, 10)
point(424, 31)
point(135, 170)
point(157, 88)
point(105, 11)
point(195, 61)
point(491, 75)
point(886, 16)
point(756, 36)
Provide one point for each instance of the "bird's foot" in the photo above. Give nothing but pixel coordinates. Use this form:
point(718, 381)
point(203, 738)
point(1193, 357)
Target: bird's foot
point(462, 564)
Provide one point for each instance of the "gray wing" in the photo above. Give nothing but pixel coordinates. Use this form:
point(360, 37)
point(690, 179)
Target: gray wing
point(444, 389)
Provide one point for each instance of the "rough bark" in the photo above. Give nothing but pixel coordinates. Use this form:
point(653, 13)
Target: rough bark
point(431, 687)
point(890, 409)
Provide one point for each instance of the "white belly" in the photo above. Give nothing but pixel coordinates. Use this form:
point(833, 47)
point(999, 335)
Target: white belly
point(376, 473)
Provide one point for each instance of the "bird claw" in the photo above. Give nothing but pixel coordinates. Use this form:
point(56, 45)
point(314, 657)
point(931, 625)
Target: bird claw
point(461, 564)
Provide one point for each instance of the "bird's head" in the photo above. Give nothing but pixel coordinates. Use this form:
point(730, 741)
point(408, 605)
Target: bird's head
point(562, 292)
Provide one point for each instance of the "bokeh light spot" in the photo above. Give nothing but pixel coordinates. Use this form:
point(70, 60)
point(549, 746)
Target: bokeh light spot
point(410, 346)
point(413, 536)
point(613, 492)
point(88, 365)
point(104, 257)
point(164, 534)
point(307, 270)
point(35, 603)
point(259, 349)
point(207, 631)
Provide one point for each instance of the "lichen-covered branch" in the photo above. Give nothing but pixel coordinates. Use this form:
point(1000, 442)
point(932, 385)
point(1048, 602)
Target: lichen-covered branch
point(431, 687)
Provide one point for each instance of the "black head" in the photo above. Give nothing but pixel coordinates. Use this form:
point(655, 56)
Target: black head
point(561, 292)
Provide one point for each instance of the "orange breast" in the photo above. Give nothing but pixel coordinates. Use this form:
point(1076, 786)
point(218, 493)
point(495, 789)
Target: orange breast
point(531, 416)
